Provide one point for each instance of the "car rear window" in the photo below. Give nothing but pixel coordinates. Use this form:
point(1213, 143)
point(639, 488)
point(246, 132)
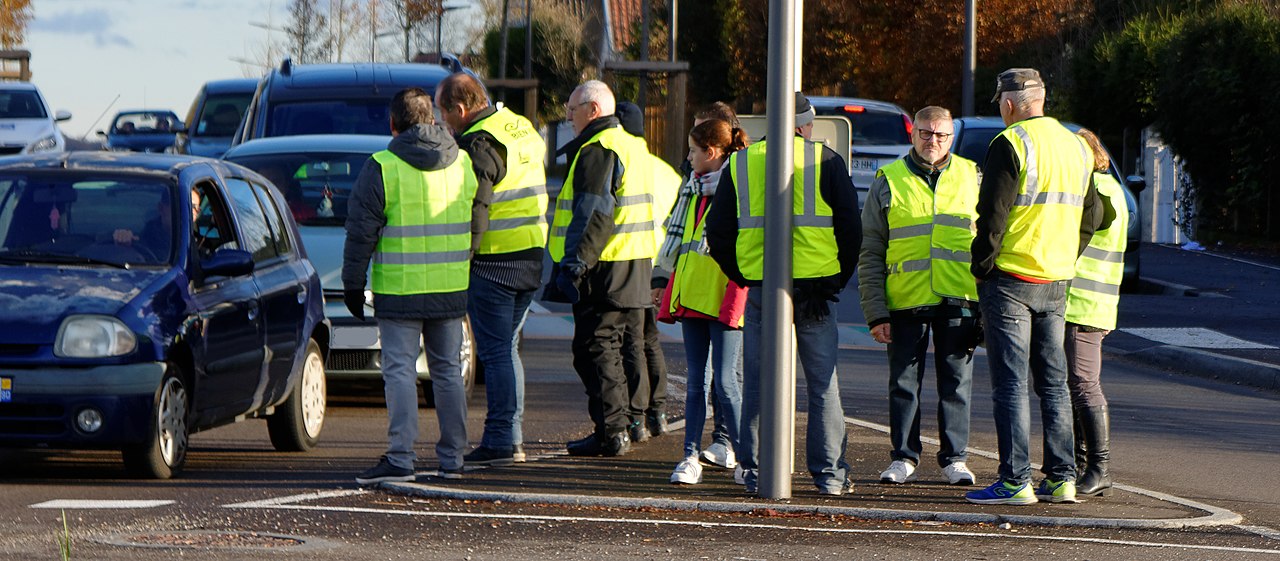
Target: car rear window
point(221, 114)
point(364, 116)
point(871, 127)
point(21, 105)
point(115, 219)
point(316, 185)
point(974, 143)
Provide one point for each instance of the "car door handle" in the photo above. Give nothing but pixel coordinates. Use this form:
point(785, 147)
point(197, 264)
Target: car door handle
point(302, 296)
point(253, 311)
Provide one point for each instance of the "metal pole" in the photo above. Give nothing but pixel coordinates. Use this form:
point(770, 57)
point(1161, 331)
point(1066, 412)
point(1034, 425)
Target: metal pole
point(502, 52)
point(777, 367)
point(528, 44)
point(673, 28)
point(970, 57)
point(646, 24)
point(439, 30)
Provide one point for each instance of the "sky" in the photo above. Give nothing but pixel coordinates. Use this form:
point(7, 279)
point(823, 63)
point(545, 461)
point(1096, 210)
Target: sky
point(152, 54)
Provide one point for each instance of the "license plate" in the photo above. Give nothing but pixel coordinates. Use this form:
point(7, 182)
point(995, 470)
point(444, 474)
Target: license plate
point(865, 164)
point(355, 337)
point(6, 389)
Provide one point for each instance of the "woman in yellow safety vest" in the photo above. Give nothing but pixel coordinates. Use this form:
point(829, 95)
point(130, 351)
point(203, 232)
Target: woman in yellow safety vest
point(708, 305)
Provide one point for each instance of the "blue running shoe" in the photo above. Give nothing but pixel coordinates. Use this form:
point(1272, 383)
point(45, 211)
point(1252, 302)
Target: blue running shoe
point(1002, 493)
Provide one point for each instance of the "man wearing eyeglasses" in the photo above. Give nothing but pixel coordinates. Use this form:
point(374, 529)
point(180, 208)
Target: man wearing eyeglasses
point(1037, 210)
point(602, 244)
point(913, 274)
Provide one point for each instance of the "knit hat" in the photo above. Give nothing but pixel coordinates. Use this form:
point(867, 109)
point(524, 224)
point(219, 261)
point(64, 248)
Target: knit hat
point(1016, 80)
point(804, 111)
point(632, 118)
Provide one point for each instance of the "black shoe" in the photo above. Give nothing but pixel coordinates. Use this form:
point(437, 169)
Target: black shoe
point(490, 456)
point(449, 473)
point(615, 445)
point(638, 432)
point(384, 471)
point(657, 423)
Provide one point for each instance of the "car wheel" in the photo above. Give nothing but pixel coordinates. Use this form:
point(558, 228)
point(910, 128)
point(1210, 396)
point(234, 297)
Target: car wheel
point(467, 357)
point(296, 424)
point(165, 450)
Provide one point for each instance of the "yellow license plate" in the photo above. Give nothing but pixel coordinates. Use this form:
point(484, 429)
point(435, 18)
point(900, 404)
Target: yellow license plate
point(6, 389)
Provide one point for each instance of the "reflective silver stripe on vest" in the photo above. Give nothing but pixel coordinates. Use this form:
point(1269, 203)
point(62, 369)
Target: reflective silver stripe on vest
point(910, 231)
point(1054, 198)
point(433, 258)
point(513, 223)
point(517, 194)
point(559, 231)
point(950, 255)
point(1103, 255)
point(424, 230)
point(809, 219)
point(953, 221)
point(630, 228)
point(909, 266)
point(564, 204)
point(688, 247)
point(1033, 172)
point(632, 200)
point(1095, 286)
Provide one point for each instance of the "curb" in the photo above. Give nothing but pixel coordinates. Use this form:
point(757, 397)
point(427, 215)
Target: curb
point(1205, 364)
point(1215, 516)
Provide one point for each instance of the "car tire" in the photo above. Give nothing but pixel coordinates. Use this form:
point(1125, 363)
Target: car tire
point(1132, 279)
point(165, 451)
point(296, 424)
point(468, 357)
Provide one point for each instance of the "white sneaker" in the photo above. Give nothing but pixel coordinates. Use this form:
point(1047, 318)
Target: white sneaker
point(899, 472)
point(739, 475)
point(958, 474)
point(688, 471)
point(719, 455)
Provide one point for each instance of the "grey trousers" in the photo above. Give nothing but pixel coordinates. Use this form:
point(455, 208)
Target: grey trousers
point(1084, 366)
point(400, 343)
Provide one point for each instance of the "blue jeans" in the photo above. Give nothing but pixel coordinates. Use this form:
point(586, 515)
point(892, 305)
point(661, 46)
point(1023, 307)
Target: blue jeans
point(497, 316)
point(953, 366)
point(1025, 326)
point(711, 352)
point(825, 436)
point(400, 343)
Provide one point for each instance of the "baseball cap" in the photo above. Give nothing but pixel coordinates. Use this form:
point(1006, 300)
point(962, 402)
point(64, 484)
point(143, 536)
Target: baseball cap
point(1015, 80)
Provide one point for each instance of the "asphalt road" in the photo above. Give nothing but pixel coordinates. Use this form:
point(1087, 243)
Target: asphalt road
point(1208, 442)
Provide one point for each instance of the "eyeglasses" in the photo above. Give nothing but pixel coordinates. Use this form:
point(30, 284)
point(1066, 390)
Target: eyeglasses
point(569, 109)
point(926, 134)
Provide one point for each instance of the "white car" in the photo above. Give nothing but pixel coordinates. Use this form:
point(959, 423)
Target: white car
point(27, 125)
point(881, 133)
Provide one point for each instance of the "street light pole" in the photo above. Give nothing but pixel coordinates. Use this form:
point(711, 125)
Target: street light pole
point(970, 57)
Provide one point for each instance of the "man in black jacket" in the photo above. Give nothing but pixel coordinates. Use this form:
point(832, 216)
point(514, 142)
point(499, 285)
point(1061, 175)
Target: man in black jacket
point(603, 244)
point(410, 212)
point(814, 284)
point(510, 229)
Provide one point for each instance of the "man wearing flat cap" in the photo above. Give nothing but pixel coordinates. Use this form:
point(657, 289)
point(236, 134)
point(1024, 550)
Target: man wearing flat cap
point(1037, 209)
point(827, 233)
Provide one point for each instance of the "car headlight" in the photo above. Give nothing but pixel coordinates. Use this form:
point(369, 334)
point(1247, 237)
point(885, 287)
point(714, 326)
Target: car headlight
point(94, 337)
point(44, 144)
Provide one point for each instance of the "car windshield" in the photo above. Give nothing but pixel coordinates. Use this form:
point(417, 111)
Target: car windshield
point(361, 116)
point(21, 104)
point(316, 184)
point(87, 219)
point(144, 122)
point(871, 128)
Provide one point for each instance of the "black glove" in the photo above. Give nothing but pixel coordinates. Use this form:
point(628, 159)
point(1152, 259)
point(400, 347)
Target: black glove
point(354, 299)
point(568, 286)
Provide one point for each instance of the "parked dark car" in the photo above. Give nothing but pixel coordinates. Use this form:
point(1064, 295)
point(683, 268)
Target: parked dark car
point(347, 98)
point(148, 297)
point(880, 134)
point(214, 117)
point(973, 137)
point(316, 174)
point(142, 131)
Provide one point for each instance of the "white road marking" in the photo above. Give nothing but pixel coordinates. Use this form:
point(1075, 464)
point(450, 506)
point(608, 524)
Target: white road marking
point(109, 503)
point(1194, 337)
point(267, 503)
point(1261, 531)
point(753, 526)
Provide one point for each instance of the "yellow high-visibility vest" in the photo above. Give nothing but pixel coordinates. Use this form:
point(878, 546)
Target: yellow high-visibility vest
point(632, 236)
point(1093, 297)
point(517, 213)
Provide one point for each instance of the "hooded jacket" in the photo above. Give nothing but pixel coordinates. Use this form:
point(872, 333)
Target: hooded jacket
point(425, 147)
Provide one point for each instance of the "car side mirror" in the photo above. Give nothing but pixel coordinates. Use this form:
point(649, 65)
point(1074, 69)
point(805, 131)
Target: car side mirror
point(1135, 183)
point(102, 133)
point(62, 115)
point(228, 263)
point(177, 126)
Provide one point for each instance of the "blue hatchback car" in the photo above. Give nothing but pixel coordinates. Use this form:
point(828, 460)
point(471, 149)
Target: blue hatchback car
point(142, 131)
point(147, 297)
